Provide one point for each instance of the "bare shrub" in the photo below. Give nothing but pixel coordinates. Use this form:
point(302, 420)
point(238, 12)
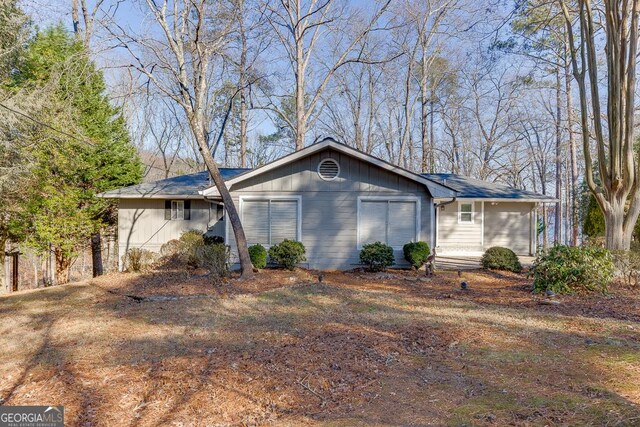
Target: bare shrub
point(138, 259)
point(627, 266)
point(214, 258)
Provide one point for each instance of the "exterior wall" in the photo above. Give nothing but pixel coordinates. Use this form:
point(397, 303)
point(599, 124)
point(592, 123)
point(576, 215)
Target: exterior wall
point(141, 223)
point(509, 224)
point(329, 208)
point(454, 237)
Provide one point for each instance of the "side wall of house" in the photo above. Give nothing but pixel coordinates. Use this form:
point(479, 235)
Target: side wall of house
point(329, 209)
point(509, 224)
point(459, 237)
point(141, 223)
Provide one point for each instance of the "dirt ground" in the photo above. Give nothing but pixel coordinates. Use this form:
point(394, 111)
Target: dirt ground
point(395, 348)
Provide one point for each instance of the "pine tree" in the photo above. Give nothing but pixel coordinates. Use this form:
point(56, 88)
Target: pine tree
point(89, 152)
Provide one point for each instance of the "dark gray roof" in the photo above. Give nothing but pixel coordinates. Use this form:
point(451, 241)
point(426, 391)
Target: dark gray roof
point(185, 186)
point(478, 189)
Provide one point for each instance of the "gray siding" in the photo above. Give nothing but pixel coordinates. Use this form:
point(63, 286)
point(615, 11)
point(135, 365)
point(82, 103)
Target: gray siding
point(329, 208)
point(141, 223)
point(509, 225)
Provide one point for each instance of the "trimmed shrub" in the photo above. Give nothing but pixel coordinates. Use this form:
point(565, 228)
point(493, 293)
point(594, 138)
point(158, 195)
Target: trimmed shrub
point(416, 253)
point(190, 241)
point(499, 258)
point(258, 255)
point(212, 240)
point(138, 259)
point(565, 269)
point(214, 258)
point(288, 253)
point(377, 256)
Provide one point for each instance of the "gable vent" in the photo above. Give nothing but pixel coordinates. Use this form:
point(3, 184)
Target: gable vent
point(328, 169)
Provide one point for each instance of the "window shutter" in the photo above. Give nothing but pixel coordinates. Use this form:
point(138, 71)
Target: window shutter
point(373, 221)
point(402, 223)
point(167, 210)
point(255, 221)
point(284, 220)
point(187, 209)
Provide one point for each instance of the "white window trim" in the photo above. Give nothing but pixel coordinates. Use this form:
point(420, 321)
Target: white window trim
point(389, 199)
point(460, 203)
point(177, 202)
point(241, 200)
point(328, 160)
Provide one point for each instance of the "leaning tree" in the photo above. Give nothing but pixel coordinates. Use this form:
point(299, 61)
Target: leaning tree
point(177, 55)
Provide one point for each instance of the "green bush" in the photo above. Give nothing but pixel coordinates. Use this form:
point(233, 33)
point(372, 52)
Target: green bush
point(565, 269)
point(214, 258)
point(377, 256)
point(258, 255)
point(288, 253)
point(416, 253)
point(190, 242)
point(138, 259)
point(499, 258)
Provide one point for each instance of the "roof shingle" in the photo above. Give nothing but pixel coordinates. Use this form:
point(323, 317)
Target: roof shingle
point(477, 189)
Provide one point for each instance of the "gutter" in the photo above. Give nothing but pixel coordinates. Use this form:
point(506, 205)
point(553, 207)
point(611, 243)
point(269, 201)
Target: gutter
point(438, 204)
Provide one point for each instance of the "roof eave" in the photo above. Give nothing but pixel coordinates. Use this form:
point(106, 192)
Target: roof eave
point(508, 199)
point(151, 196)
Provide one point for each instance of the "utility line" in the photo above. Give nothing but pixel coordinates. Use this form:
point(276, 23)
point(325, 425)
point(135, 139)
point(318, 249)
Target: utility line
point(61, 132)
point(46, 125)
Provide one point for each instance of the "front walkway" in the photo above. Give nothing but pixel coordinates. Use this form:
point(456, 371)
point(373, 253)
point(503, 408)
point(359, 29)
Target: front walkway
point(466, 262)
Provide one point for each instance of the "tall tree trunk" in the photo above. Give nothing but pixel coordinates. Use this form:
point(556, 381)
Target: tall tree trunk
point(232, 212)
point(75, 17)
point(3, 268)
point(432, 142)
point(63, 264)
point(557, 229)
point(243, 90)
point(575, 223)
point(96, 255)
point(301, 110)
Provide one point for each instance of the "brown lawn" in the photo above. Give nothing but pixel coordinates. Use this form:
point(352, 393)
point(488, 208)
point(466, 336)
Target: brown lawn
point(167, 348)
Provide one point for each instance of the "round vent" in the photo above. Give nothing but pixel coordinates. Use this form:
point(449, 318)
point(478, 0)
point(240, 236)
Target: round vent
point(328, 169)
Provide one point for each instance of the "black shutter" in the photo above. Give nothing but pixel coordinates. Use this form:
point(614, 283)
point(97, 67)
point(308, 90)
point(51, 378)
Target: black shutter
point(167, 210)
point(187, 209)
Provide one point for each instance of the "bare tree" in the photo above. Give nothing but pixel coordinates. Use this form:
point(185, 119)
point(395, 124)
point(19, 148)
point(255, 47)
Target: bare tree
point(177, 58)
point(618, 193)
point(299, 27)
point(84, 31)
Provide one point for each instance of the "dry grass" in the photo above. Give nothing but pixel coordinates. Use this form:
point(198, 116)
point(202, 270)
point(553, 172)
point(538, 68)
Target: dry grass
point(358, 349)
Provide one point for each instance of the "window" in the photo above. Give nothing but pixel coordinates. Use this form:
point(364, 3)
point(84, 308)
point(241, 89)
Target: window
point(328, 169)
point(392, 221)
point(270, 221)
point(465, 213)
point(177, 210)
